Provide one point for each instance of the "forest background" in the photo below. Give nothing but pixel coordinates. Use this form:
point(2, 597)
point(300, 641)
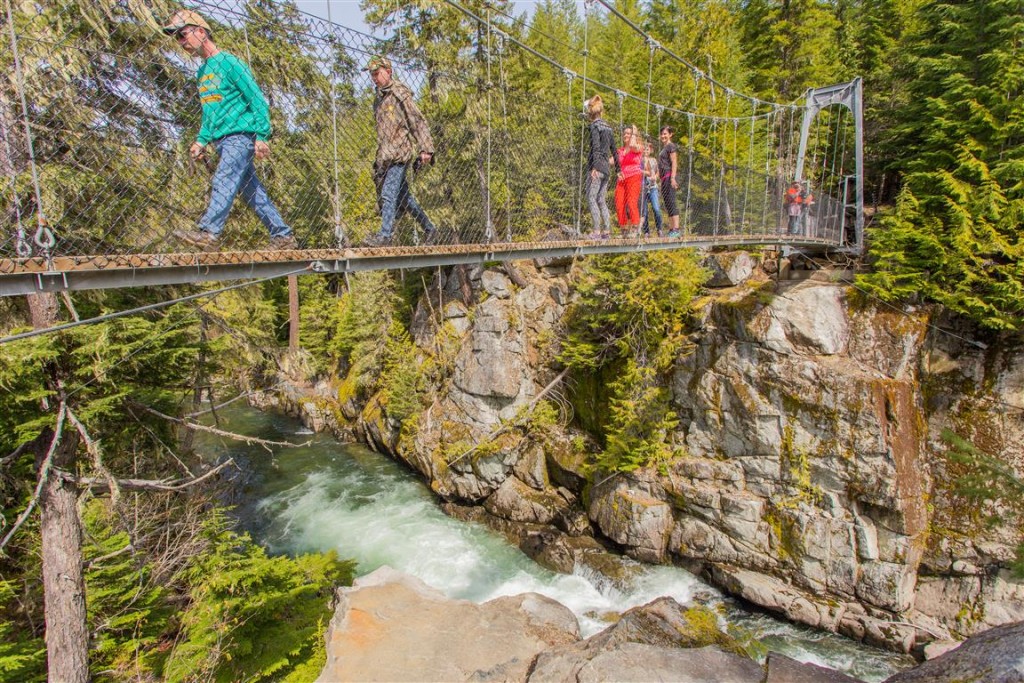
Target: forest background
point(95, 422)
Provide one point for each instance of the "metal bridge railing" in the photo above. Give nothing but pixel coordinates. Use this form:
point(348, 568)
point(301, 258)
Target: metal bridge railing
point(97, 118)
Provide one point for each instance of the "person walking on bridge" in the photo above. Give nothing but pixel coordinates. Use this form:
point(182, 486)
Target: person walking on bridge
point(794, 203)
point(668, 168)
point(403, 138)
point(599, 165)
point(236, 120)
point(630, 182)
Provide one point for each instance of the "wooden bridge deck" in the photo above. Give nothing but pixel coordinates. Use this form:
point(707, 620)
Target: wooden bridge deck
point(60, 273)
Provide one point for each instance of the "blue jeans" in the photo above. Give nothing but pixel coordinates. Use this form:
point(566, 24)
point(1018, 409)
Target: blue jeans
point(652, 197)
point(236, 174)
point(396, 199)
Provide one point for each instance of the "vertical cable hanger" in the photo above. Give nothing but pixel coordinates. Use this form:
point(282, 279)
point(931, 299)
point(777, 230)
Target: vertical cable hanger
point(44, 237)
point(580, 172)
point(689, 174)
point(487, 179)
point(339, 231)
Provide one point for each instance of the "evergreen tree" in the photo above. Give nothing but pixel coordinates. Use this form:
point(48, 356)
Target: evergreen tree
point(789, 45)
point(955, 236)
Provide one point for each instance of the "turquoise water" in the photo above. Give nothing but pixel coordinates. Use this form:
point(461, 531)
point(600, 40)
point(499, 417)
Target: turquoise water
point(329, 495)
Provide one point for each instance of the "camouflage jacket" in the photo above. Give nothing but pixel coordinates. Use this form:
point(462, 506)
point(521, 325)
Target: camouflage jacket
point(402, 132)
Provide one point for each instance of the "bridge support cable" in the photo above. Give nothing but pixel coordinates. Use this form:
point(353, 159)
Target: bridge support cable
point(43, 238)
point(490, 235)
point(339, 231)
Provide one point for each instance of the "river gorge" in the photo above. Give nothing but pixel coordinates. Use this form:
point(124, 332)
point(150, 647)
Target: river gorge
point(329, 495)
point(800, 458)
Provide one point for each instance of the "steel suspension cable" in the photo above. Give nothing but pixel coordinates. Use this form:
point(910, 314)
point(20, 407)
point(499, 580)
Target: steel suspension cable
point(712, 82)
point(339, 231)
point(148, 307)
point(689, 175)
point(650, 84)
point(768, 136)
point(716, 183)
point(558, 66)
point(750, 169)
point(505, 138)
point(580, 173)
point(43, 237)
point(487, 180)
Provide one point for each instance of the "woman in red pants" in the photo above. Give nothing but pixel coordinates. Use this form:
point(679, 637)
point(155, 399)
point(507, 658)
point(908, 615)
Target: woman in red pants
point(630, 181)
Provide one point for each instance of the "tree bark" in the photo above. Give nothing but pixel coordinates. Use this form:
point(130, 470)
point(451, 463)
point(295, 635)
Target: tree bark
point(293, 313)
point(60, 530)
point(67, 635)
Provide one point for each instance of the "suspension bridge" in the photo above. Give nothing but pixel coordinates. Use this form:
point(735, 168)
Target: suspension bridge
point(99, 111)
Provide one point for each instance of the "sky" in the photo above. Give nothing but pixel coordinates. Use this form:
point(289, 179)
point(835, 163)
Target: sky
point(348, 14)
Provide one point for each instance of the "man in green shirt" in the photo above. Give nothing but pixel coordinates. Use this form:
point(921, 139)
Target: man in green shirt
point(237, 121)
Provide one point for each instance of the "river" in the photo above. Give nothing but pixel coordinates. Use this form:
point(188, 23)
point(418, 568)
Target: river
point(329, 495)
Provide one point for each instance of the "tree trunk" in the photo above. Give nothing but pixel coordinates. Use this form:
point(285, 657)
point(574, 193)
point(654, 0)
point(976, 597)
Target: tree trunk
point(67, 635)
point(293, 313)
point(60, 530)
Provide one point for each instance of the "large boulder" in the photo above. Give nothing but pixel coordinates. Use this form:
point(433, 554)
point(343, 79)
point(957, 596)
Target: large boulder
point(632, 518)
point(393, 627)
point(995, 656)
point(658, 641)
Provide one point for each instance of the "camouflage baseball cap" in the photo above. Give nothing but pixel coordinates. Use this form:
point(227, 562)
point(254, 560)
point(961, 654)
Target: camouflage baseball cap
point(378, 62)
point(183, 18)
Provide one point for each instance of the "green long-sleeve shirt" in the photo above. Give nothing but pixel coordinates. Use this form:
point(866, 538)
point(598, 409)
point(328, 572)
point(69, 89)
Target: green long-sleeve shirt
point(232, 101)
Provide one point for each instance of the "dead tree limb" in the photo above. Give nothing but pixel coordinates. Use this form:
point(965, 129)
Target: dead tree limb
point(506, 425)
point(101, 484)
point(251, 440)
point(93, 448)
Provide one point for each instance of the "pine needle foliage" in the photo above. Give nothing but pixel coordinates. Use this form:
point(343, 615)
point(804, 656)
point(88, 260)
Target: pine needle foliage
point(252, 617)
point(641, 420)
point(632, 306)
point(956, 234)
point(129, 613)
point(991, 485)
point(403, 379)
point(632, 315)
point(22, 653)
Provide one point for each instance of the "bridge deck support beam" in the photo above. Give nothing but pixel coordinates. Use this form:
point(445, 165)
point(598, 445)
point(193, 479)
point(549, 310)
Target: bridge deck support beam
point(18, 279)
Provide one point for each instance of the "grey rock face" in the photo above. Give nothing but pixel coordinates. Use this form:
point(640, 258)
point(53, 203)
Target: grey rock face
point(729, 269)
point(492, 364)
point(995, 656)
point(640, 663)
point(782, 669)
point(809, 449)
point(632, 518)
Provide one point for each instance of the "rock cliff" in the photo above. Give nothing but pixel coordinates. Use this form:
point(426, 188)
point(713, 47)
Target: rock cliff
point(809, 475)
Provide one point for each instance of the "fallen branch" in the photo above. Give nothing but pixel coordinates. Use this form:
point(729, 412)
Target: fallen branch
point(44, 474)
point(109, 556)
point(170, 452)
point(101, 484)
point(251, 440)
point(529, 408)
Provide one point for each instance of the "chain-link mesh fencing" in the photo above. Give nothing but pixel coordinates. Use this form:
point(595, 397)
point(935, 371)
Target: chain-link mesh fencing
point(100, 109)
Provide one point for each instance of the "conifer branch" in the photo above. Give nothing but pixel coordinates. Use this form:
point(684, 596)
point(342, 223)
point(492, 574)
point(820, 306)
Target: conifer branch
point(93, 448)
